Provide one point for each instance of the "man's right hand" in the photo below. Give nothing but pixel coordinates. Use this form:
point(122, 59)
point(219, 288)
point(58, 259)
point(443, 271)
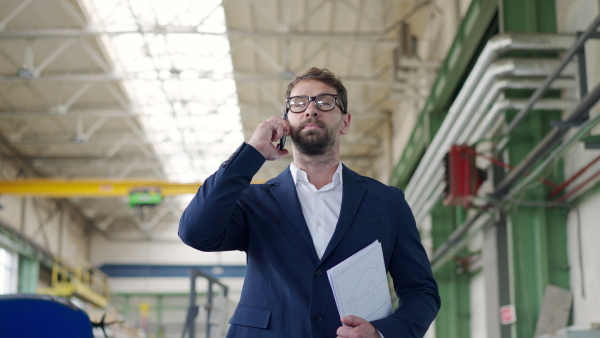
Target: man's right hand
point(272, 130)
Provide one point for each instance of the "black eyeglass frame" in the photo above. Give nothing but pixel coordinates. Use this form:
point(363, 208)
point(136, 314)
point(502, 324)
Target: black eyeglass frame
point(336, 101)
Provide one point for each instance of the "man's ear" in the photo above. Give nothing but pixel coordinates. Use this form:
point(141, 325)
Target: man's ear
point(346, 118)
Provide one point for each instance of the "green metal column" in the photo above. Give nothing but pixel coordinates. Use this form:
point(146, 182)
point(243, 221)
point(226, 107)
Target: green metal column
point(532, 16)
point(159, 312)
point(29, 272)
point(453, 320)
point(126, 307)
point(536, 234)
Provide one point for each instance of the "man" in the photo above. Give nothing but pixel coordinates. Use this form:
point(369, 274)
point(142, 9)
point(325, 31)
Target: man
point(311, 217)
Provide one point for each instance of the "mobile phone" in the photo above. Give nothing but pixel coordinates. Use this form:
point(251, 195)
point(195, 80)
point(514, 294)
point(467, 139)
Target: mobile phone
point(282, 140)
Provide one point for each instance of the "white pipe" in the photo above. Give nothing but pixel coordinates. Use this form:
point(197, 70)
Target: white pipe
point(452, 128)
point(479, 130)
point(434, 195)
point(502, 84)
point(496, 46)
point(492, 115)
point(430, 200)
point(583, 131)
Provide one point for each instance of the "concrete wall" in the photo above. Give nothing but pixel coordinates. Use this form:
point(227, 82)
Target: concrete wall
point(583, 230)
point(583, 234)
point(169, 253)
point(47, 223)
point(478, 306)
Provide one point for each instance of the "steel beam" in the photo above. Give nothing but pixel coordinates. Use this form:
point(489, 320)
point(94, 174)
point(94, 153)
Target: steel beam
point(237, 76)
point(536, 235)
point(8, 18)
point(158, 270)
point(373, 38)
point(66, 188)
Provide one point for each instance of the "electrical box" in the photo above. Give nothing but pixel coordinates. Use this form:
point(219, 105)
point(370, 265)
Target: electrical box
point(463, 178)
point(146, 196)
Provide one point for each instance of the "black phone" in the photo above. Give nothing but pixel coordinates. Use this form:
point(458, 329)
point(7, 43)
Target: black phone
point(282, 140)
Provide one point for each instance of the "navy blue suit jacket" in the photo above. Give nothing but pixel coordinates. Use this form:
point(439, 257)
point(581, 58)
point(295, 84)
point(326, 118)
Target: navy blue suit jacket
point(286, 291)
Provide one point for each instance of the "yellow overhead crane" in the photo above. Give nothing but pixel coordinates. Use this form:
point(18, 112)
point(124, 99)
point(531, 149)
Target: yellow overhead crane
point(66, 188)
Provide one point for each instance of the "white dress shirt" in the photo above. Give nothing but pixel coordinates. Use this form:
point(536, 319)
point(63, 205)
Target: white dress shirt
point(321, 207)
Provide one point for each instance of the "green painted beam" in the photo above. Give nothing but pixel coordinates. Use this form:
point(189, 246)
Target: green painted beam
point(591, 138)
point(442, 224)
point(453, 320)
point(558, 260)
point(468, 41)
point(591, 142)
point(527, 16)
point(536, 235)
point(29, 274)
point(127, 307)
point(159, 313)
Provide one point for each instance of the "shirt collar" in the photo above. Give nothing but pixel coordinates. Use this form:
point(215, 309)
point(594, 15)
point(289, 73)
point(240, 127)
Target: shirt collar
point(299, 175)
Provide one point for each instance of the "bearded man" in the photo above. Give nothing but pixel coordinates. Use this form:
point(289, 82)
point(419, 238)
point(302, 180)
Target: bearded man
point(311, 217)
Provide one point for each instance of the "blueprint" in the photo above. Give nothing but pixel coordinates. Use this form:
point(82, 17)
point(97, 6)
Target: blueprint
point(360, 285)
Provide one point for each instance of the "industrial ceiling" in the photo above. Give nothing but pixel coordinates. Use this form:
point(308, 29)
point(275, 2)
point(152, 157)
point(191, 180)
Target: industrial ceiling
point(165, 91)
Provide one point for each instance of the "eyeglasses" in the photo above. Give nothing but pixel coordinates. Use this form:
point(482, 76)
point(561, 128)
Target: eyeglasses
point(323, 102)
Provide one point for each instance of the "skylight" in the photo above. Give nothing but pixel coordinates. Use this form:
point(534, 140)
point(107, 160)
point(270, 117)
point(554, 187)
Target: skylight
point(177, 65)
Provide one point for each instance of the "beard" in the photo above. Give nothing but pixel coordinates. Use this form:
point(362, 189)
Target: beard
point(314, 141)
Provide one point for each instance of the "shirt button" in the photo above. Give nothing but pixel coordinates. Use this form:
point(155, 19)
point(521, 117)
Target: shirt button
point(318, 223)
point(318, 273)
point(317, 318)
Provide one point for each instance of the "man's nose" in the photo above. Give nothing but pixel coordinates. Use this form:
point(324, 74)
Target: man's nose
point(312, 110)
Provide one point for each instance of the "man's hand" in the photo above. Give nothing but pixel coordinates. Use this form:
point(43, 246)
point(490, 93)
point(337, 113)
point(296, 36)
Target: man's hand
point(268, 132)
point(356, 328)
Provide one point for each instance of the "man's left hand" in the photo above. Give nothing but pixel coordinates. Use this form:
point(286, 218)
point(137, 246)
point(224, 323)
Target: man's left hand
point(356, 328)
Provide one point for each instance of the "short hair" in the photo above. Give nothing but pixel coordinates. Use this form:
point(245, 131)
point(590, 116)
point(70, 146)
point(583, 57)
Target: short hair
point(325, 76)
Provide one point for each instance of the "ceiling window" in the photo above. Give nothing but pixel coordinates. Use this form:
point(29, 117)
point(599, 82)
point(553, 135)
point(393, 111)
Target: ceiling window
point(175, 60)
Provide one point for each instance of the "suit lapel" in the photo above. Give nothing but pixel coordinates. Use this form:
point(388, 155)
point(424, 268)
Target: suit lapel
point(284, 191)
point(352, 196)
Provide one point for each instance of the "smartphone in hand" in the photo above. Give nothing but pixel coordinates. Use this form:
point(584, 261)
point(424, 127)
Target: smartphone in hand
point(282, 140)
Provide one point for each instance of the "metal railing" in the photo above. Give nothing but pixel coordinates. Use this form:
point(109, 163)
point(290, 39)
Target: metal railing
point(210, 308)
point(78, 280)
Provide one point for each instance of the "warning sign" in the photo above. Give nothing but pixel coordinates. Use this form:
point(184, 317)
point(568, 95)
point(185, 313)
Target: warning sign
point(508, 314)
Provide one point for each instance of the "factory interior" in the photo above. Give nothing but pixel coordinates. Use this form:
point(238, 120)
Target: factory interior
point(114, 112)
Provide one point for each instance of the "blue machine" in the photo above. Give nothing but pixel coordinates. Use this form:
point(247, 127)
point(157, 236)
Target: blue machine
point(32, 316)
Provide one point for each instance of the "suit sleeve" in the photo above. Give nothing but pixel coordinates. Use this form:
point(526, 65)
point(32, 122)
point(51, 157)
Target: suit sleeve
point(214, 221)
point(417, 291)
